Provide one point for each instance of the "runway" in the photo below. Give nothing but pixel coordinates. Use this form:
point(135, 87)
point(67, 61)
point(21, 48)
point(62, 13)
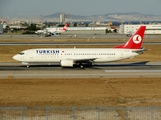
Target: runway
point(108, 70)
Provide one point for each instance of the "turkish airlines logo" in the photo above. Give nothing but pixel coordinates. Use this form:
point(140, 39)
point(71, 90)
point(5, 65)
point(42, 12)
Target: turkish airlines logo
point(137, 39)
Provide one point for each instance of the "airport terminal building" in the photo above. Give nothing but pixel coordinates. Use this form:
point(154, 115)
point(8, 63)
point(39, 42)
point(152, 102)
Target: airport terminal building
point(87, 30)
point(130, 28)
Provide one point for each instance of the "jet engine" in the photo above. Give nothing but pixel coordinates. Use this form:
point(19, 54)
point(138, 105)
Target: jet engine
point(66, 63)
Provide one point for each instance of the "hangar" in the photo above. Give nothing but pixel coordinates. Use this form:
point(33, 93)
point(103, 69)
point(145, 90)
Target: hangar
point(130, 28)
point(87, 30)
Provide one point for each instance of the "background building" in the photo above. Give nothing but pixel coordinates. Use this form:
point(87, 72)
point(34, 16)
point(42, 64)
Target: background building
point(62, 18)
point(1, 28)
point(150, 28)
point(87, 30)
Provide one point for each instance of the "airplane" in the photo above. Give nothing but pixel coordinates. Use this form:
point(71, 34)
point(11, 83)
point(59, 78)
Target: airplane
point(55, 30)
point(52, 31)
point(68, 57)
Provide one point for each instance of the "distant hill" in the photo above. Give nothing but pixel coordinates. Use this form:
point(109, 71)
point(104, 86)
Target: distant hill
point(57, 15)
point(110, 17)
point(52, 15)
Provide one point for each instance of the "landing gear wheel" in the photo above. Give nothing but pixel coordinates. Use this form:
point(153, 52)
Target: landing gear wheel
point(81, 66)
point(27, 66)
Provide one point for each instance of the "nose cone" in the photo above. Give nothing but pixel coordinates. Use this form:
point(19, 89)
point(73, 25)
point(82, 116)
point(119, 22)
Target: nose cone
point(16, 57)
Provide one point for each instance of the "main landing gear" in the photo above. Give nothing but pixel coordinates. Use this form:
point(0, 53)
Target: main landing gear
point(81, 65)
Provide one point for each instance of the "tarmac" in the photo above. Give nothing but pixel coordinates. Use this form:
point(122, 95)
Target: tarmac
point(106, 70)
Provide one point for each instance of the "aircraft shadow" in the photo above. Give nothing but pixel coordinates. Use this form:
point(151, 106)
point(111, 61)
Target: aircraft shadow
point(76, 67)
point(114, 65)
point(91, 66)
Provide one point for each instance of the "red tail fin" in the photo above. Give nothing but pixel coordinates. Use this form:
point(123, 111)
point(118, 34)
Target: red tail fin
point(135, 40)
point(65, 27)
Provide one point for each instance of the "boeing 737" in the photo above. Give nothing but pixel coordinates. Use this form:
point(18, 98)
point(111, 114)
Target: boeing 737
point(68, 57)
point(52, 31)
point(56, 30)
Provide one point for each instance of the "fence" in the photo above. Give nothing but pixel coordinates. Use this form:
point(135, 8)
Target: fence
point(80, 113)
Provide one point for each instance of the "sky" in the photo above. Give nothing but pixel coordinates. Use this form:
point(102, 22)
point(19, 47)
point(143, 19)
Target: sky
point(35, 8)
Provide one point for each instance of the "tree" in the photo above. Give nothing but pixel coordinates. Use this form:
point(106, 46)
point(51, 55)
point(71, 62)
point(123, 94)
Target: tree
point(7, 29)
point(75, 25)
point(115, 30)
point(32, 27)
point(107, 31)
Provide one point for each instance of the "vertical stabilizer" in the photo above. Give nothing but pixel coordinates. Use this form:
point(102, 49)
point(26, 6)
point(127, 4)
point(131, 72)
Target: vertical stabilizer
point(135, 41)
point(65, 27)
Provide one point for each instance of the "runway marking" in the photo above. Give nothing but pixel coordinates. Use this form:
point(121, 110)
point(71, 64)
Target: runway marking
point(129, 71)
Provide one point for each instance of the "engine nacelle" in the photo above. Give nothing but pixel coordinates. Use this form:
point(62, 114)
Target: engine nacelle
point(66, 63)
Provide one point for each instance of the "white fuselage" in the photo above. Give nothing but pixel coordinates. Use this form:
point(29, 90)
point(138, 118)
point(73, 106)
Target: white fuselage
point(54, 30)
point(54, 55)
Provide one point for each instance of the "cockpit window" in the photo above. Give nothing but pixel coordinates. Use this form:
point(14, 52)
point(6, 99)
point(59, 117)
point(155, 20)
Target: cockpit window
point(21, 53)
